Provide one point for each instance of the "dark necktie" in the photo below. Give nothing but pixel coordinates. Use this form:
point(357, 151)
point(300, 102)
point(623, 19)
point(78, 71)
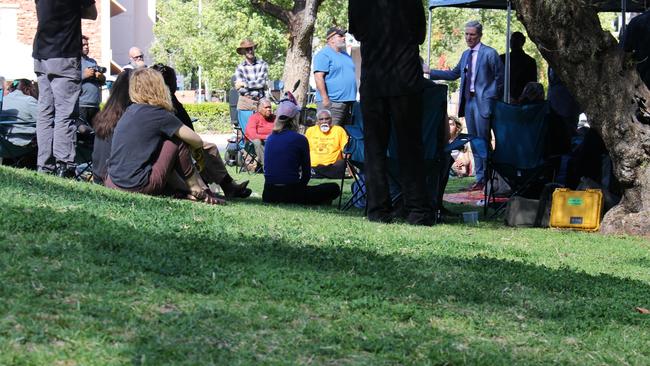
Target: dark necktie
point(468, 76)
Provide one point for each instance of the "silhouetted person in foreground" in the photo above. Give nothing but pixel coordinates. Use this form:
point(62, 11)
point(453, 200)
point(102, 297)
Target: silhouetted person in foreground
point(390, 33)
point(523, 68)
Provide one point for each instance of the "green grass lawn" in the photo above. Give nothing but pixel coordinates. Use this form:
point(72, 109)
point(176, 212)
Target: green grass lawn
point(90, 276)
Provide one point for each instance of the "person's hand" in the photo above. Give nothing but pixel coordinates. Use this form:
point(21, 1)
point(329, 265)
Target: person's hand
point(197, 155)
point(240, 84)
point(89, 73)
point(326, 102)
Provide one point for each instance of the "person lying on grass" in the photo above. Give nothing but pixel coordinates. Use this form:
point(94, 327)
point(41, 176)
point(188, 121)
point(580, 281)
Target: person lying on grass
point(287, 167)
point(215, 170)
point(150, 144)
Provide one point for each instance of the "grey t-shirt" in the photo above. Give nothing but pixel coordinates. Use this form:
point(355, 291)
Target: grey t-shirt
point(137, 140)
point(91, 94)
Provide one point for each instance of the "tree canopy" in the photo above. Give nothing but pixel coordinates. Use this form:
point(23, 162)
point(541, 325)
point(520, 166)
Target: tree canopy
point(186, 40)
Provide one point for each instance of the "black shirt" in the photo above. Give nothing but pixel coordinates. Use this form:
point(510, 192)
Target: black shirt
point(137, 140)
point(181, 113)
point(523, 69)
point(58, 34)
point(390, 33)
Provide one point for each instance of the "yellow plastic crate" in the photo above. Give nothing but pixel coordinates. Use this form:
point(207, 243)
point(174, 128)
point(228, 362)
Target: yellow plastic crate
point(578, 210)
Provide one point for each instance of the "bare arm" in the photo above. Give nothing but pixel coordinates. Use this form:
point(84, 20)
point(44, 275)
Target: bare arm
point(319, 77)
point(189, 137)
point(89, 12)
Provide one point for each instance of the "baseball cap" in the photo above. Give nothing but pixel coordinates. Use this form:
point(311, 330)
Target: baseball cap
point(287, 110)
point(335, 30)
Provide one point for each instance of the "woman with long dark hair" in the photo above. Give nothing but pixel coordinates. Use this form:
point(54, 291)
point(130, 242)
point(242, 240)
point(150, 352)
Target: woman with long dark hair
point(105, 121)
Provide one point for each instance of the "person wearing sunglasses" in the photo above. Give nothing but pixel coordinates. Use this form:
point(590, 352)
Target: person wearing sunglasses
point(136, 59)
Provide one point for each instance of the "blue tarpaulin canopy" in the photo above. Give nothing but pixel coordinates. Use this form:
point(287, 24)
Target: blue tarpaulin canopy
point(622, 6)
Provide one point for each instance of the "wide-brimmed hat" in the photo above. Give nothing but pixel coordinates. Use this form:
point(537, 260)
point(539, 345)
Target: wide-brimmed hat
point(335, 30)
point(244, 44)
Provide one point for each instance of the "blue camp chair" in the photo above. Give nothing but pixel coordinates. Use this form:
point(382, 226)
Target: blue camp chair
point(518, 156)
point(246, 148)
point(354, 159)
point(434, 118)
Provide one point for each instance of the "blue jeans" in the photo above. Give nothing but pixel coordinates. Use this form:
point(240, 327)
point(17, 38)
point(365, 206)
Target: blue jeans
point(477, 125)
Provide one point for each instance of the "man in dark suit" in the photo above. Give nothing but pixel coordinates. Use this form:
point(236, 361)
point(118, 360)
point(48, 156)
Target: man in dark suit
point(481, 83)
point(523, 68)
point(390, 33)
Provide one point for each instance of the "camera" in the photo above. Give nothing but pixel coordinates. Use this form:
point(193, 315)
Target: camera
point(99, 69)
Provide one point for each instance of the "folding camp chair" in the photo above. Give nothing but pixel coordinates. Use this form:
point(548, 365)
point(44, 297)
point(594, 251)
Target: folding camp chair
point(247, 156)
point(17, 141)
point(519, 132)
point(354, 159)
point(434, 121)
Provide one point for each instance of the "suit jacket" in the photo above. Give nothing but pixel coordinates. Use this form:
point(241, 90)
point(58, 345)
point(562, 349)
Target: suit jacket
point(488, 83)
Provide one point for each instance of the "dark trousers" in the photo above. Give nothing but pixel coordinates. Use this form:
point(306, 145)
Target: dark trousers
point(332, 171)
point(87, 114)
point(321, 194)
point(215, 170)
point(174, 156)
point(405, 112)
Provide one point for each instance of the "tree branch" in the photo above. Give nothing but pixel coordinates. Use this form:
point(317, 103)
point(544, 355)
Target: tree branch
point(273, 10)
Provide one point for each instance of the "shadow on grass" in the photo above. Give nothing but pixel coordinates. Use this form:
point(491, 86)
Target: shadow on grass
point(287, 281)
point(172, 294)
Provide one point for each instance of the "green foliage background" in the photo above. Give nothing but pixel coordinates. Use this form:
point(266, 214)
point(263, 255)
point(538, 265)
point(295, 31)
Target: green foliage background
point(224, 23)
point(185, 40)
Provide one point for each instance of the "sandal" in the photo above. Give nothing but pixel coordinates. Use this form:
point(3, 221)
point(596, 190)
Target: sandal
point(206, 196)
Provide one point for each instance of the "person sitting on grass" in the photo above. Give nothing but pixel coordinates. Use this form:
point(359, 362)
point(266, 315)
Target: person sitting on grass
point(287, 166)
point(150, 144)
point(215, 170)
point(326, 144)
point(104, 124)
point(260, 126)
point(461, 164)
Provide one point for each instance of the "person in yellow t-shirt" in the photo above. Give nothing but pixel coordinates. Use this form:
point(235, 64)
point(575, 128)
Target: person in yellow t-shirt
point(326, 143)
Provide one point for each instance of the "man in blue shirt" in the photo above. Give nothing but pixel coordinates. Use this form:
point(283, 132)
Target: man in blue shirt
point(335, 77)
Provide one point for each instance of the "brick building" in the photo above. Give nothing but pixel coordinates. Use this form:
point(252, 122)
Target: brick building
point(120, 24)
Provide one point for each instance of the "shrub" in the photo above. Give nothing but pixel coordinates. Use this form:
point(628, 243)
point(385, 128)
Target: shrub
point(212, 117)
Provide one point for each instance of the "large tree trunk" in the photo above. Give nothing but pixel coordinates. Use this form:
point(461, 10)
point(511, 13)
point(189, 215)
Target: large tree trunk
point(298, 62)
point(605, 83)
point(300, 21)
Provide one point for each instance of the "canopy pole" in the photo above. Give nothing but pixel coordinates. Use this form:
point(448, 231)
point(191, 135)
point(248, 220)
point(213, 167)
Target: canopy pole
point(429, 39)
point(623, 11)
point(506, 81)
